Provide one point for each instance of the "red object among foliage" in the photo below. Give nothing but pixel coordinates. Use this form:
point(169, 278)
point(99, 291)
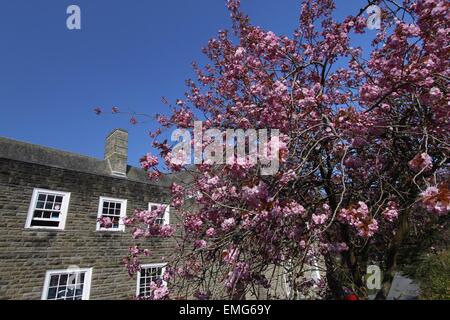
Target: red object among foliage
point(351, 297)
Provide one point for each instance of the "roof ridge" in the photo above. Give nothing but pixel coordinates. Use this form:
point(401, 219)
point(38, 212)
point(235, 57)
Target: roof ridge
point(49, 148)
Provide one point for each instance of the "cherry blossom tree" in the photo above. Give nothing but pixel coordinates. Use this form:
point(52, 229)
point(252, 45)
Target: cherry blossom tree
point(364, 155)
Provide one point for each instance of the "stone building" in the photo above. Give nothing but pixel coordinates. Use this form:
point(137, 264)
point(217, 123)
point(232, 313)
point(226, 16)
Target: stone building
point(51, 244)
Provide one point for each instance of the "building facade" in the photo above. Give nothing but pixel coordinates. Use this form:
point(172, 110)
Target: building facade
point(52, 245)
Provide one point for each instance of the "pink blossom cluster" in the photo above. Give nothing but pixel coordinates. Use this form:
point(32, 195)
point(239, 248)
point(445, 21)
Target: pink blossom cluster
point(157, 291)
point(148, 161)
point(337, 247)
point(255, 195)
point(391, 211)
point(132, 261)
point(436, 199)
point(421, 162)
point(240, 272)
point(358, 217)
point(288, 176)
point(105, 222)
point(177, 195)
point(146, 224)
point(321, 215)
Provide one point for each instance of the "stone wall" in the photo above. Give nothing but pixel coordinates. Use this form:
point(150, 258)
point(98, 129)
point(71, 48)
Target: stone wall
point(26, 255)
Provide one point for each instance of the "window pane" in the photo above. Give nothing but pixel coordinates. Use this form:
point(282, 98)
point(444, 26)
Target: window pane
point(79, 291)
point(37, 214)
point(45, 223)
point(61, 292)
point(63, 279)
point(51, 293)
point(66, 286)
point(54, 280)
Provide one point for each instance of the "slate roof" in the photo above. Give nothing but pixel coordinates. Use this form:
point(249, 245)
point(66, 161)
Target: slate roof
point(37, 154)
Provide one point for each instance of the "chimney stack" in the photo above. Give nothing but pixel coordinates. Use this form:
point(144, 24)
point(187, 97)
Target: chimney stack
point(116, 152)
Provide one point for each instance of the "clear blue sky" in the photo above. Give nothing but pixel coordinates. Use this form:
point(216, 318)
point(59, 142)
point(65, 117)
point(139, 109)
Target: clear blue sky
point(129, 53)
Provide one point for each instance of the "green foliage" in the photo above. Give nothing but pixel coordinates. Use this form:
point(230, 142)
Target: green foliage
point(432, 272)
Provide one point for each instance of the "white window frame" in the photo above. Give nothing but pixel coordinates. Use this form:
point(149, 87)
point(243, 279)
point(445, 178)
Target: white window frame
point(63, 213)
point(150, 265)
point(123, 214)
point(86, 284)
point(166, 216)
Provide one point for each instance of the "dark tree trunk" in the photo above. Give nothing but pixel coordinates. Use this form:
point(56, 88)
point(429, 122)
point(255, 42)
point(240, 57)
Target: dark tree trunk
point(391, 256)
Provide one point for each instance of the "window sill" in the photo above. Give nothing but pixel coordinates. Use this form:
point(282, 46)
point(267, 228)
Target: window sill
point(43, 229)
point(110, 231)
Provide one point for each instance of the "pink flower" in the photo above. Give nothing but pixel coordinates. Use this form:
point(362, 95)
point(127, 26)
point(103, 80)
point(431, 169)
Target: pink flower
point(435, 93)
point(138, 233)
point(230, 255)
point(421, 162)
point(288, 176)
point(134, 250)
point(148, 161)
point(391, 212)
point(335, 247)
point(154, 175)
point(239, 52)
point(358, 217)
point(319, 219)
point(211, 232)
point(293, 208)
point(256, 194)
point(436, 200)
point(202, 295)
point(166, 231)
point(177, 195)
point(160, 292)
point(228, 224)
point(368, 229)
point(132, 264)
point(200, 244)
point(162, 120)
point(182, 117)
point(241, 272)
point(369, 93)
point(105, 222)
point(193, 224)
